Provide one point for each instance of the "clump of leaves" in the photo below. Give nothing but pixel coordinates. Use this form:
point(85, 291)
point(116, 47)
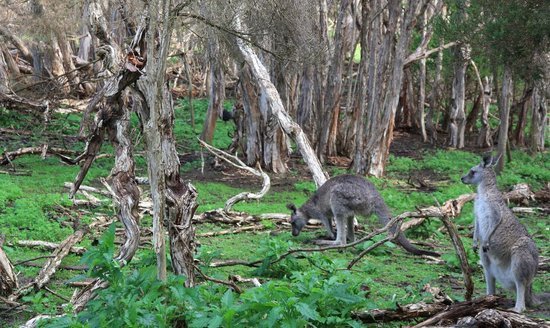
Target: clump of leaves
point(271, 249)
point(308, 299)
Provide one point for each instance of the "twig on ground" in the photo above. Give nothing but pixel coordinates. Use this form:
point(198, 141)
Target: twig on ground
point(49, 246)
point(231, 284)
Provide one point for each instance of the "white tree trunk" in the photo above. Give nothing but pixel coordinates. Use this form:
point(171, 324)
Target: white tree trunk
point(457, 118)
point(540, 124)
point(484, 139)
point(504, 106)
point(274, 102)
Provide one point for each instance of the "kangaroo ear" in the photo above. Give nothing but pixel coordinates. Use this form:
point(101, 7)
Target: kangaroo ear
point(291, 207)
point(487, 160)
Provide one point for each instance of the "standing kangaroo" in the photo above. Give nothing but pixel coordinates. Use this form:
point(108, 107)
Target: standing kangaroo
point(507, 251)
point(342, 198)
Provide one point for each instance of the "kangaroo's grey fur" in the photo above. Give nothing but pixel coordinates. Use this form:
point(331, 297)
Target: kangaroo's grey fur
point(341, 198)
point(507, 251)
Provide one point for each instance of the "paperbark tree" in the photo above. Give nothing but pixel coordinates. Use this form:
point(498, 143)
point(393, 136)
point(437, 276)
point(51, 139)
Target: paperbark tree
point(457, 117)
point(277, 112)
point(484, 138)
point(172, 198)
point(216, 87)
point(504, 115)
point(539, 116)
point(385, 43)
point(331, 104)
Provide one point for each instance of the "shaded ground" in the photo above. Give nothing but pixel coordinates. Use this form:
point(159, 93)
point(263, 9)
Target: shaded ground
point(405, 144)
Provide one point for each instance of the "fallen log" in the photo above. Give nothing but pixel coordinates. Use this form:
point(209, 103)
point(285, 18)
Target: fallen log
point(8, 279)
point(427, 310)
point(255, 227)
point(63, 267)
point(496, 318)
point(7, 157)
point(50, 266)
point(484, 312)
point(49, 246)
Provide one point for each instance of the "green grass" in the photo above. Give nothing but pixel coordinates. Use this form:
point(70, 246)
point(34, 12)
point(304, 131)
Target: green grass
point(37, 207)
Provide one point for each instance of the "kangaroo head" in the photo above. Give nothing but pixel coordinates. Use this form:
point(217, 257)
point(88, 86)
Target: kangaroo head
point(477, 173)
point(297, 219)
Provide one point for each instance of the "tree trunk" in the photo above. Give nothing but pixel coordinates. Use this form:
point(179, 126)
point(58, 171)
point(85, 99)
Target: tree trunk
point(173, 200)
point(457, 116)
point(422, 96)
point(306, 111)
point(384, 74)
point(484, 138)
point(216, 90)
point(539, 116)
point(504, 115)
point(331, 104)
point(431, 123)
point(252, 118)
point(522, 108)
point(277, 111)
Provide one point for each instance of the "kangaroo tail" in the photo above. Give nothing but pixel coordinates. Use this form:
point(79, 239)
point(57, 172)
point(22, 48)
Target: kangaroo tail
point(533, 300)
point(406, 244)
point(384, 216)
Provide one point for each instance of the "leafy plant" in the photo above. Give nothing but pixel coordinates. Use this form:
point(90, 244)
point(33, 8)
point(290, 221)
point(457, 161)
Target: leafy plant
point(271, 249)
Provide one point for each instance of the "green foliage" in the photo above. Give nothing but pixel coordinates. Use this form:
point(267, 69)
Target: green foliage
point(270, 249)
point(509, 33)
point(100, 260)
point(308, 298)
point(40, 303)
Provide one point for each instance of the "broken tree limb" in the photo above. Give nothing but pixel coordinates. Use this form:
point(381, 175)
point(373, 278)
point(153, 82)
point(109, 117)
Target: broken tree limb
point(425, 310)
point(496, 318)
point(229, 283)
point(417, 55)
point(235, 161)
point(50, 266)
point(275, 103)
point(49, 246)
point(461, 253)
point(70, 185)
point(9, 156)
point(8, 279)
point(13, 101)
point(255, 227)
point(453, 207)
point(485, 315)
point(237, 278)
point(81, 297)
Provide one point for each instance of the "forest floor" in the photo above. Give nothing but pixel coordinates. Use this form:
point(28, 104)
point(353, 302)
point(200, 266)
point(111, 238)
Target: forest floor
point(34, 206)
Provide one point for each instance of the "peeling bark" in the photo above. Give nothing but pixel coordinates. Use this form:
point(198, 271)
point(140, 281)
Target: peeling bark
point(504, 110)
point(539, 117)
point(484, 138)
point(49, 267)
point(8, 279)
point(278, 112)
point(389, 35)
point(457, 116)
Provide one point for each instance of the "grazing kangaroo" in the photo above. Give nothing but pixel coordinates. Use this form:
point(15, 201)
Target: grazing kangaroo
point(507, 251)
point(342, 198)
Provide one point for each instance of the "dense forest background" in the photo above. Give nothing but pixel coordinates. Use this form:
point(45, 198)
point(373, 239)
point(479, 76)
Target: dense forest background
point(309, 84)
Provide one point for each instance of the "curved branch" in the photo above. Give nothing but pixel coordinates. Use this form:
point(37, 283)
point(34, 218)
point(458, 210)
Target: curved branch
point(235, 161)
